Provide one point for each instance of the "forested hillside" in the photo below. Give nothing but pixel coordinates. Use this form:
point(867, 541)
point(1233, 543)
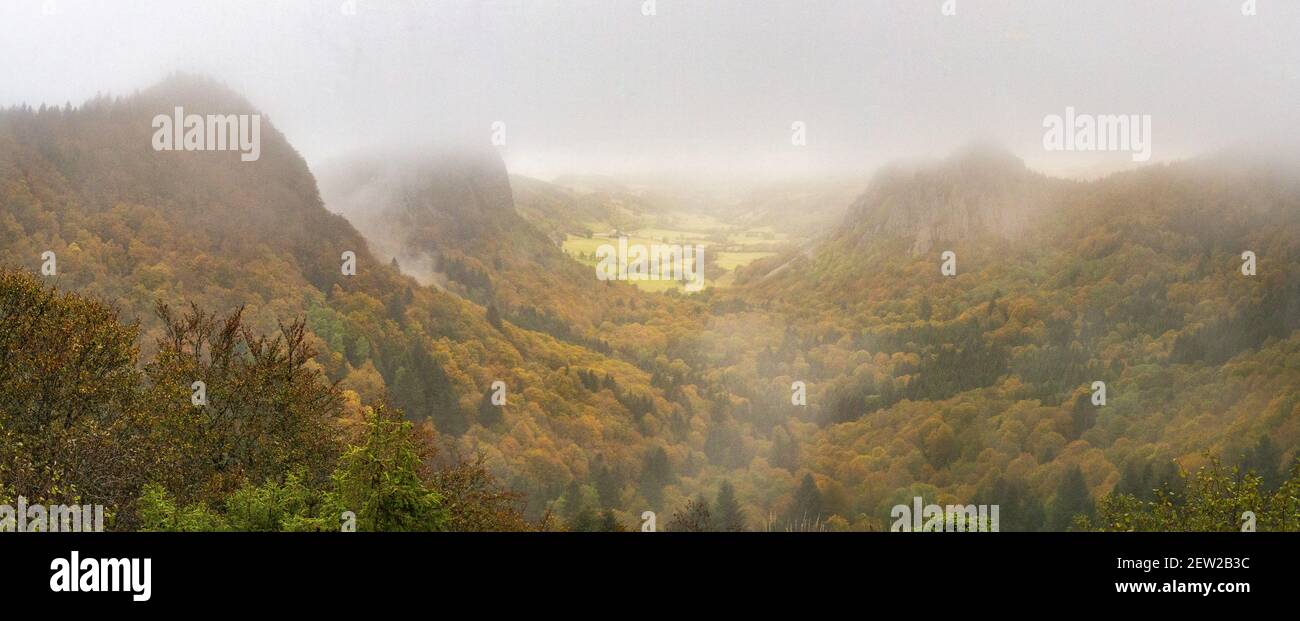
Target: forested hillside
point(134, 227)
point(451, 220)
point(980, 386)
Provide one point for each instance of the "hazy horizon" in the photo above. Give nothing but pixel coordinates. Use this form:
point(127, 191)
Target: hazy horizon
point(706, 89)
point(710, 266)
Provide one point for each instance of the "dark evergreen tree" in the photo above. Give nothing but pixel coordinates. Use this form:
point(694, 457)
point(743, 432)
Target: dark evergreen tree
point(1019, 508)
point(424, 390)
point(785, 451)
point(806, 511)
point(1072, 499)
point(609, 485)
point(655, 474)
point(489, 414)
point(1083, 415)
point(728, 516)
point(609, 522)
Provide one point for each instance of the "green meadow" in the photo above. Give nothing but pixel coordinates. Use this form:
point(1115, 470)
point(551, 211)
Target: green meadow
point(742, 246)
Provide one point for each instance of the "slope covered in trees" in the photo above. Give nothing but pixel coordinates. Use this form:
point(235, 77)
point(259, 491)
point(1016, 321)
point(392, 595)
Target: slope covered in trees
point(133, 226)
point(980, 384)
point(978, 387)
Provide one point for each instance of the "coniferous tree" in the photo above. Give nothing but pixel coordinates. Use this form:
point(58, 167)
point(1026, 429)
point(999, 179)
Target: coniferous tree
point(806, 511)
point(728, 516)
point(1072, 499)
point(1083, 415)
point(1019, 508)
point(379, 480)
point(489, 414)
point(609, 522)
point(425, 391)
point(785, 451)
point(655, 474)
point(609, 486)
point(494, 316)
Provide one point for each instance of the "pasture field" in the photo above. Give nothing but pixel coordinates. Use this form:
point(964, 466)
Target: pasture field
point(742, 246)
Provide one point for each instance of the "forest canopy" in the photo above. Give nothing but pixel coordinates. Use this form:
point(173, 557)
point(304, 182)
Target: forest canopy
point(507, 388)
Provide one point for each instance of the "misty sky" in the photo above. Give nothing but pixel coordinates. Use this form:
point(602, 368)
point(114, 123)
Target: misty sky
point(707, 86)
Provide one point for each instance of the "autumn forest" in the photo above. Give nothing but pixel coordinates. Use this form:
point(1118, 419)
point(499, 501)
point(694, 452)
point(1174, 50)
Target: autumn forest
point(419, 341)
